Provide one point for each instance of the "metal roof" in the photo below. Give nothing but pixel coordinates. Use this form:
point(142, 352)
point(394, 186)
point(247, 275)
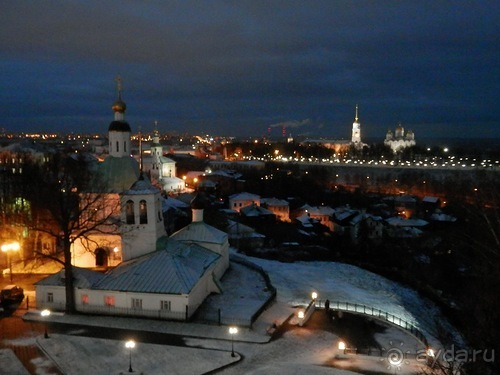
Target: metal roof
point(82, 278)
point(174, 270)
point(200, 232)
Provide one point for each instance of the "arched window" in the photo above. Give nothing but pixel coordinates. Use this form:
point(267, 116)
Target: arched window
point(101, 257)
point(143, 212)
point(129, 211)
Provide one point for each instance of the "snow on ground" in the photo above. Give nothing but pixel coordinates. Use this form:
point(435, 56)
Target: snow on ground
point(297, 351)
point(347, 283)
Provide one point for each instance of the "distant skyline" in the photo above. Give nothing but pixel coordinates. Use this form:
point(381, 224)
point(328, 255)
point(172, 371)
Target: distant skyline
point(239, 68)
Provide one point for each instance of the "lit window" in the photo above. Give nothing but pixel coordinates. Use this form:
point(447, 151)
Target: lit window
point(143, 212)
point(109, 301)
point(85, 299)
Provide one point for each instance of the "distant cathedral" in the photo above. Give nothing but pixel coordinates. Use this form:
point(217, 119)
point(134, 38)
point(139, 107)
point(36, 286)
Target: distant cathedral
point(398, 140)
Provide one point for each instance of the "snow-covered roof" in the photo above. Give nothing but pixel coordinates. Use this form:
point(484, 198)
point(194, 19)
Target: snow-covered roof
point(226, 173)
point(141, 186)
point(167, 203)
point(439, 216)
point(175, 269)
point(317, 210)
point(82, 278)
point(405, 199)
point(244, 196)
point(200, 232)
point(306, 221)
point(430, 199)
point(400, 222)
point(274, 202)
point(254, 211)
point(233, 227)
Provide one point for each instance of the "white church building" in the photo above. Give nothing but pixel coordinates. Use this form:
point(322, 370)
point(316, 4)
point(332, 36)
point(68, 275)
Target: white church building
point(156, 275)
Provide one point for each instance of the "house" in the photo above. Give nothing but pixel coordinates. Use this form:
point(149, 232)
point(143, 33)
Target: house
point(399, 227)
point(279, 207)
point(320, 213)
point(240, 200)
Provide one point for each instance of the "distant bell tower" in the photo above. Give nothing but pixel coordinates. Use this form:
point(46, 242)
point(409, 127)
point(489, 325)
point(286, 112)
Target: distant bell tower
point(356, 129)
point(119, 130)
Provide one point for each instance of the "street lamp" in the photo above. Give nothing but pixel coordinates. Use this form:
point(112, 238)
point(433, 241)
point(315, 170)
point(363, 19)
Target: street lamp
point(232, 331)
point(314, 295)
point(45, 313)
point(130, 344)
point(8, 248)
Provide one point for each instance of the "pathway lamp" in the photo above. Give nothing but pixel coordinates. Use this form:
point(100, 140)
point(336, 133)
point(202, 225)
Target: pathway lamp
point(130, 344)
point(8, 248)
point(232, 331)
point(45, 313)
point(342, 346)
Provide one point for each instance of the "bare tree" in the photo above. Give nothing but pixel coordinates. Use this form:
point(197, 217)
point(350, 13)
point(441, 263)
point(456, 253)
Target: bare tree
point(69, 204)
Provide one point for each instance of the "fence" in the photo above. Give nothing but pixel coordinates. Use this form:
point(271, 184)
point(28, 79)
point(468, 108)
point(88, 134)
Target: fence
point(378, 314)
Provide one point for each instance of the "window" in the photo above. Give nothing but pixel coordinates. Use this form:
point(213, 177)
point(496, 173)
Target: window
point(50, 297)
point(109, 301)
point(136, 303)
point(117, 146)
point(166, 305)
point(85, 299)
point(143, 212)
point(124, 146)
point(129, 212)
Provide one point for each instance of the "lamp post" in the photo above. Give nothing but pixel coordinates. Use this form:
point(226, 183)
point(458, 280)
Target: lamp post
point(232, 331)
point(45, 313)
point(8, 248)
point(130, 344)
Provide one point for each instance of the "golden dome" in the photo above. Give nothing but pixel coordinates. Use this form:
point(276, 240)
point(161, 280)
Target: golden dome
point(119, 106)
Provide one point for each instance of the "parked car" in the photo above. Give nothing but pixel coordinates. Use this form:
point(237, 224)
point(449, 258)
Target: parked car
point(11, 294)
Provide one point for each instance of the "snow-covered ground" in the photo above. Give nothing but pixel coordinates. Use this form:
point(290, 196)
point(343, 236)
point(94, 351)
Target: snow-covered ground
point(297, 351)
point(347, 283)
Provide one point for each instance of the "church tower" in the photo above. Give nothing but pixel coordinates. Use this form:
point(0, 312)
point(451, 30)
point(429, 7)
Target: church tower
point(141, 218)
point(119, 130)
point(119, 170)
point(156, 154)
point(356, 129)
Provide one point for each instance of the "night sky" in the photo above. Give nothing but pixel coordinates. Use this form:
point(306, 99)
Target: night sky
point(237, 68)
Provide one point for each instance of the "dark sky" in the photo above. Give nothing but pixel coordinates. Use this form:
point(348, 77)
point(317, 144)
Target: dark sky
point(239, 67)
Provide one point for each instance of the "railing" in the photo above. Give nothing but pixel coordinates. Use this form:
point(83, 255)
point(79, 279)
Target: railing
point(378, 314)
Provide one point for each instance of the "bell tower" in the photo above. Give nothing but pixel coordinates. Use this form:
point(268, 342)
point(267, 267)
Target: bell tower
point(356, 129)
point(119, 130)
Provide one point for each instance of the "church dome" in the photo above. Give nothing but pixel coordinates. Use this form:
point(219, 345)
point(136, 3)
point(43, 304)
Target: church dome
point(119, 126)
point(119, 106)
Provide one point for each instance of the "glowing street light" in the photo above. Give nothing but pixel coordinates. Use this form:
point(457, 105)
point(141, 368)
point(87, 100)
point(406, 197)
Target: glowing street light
point(45, 313)
point(342, 346)
point(314, 295)
point(232, 331)
point(9, 248)
point(130, 344)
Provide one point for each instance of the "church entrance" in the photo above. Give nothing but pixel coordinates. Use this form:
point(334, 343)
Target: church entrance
point(101, 257)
